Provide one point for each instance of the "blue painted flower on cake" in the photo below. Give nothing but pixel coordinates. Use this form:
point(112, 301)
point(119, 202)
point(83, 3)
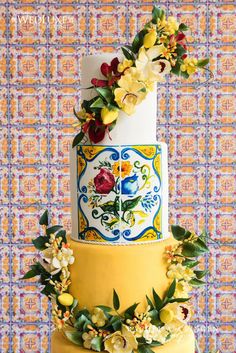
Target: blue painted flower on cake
point(129, 186)
point(149, 201)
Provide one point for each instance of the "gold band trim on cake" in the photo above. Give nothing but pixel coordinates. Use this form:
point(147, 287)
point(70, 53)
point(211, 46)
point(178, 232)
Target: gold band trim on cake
point(121, 244)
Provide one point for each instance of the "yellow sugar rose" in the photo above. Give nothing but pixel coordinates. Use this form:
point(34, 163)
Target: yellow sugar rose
point(189, 65)
point(129, 93)
point(124, 65)
point(150, 38)
point(66, 299)
point(108, 116)
point(123, 341)
point(98, 317)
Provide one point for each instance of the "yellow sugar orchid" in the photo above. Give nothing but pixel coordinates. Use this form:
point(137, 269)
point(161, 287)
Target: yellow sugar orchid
point(124, 65)
point(138, 76)
point(152, 70)
point(129, 93)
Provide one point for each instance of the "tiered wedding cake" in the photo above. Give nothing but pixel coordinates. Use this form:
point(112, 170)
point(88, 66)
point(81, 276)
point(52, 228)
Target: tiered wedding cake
point(119, 192)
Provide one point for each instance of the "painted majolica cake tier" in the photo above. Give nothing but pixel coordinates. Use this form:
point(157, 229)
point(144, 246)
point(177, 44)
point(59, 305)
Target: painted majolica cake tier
point(120, 193)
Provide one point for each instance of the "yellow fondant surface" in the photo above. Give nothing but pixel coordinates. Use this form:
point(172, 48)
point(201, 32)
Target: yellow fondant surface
point(183, 344)
point(132, 270)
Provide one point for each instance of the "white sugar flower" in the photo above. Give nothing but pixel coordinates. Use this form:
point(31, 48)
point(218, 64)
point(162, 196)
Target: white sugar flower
point(63, 258)
point(152, 70)
point(150, 333)
point(182, 289)
point(179, 272)
point(154, 333)
point(54, 260)
point(88, 337)
point(175, 313)
point(98, 317)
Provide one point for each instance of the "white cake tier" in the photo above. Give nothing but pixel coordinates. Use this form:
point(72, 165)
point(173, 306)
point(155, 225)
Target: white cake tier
point(139, 128)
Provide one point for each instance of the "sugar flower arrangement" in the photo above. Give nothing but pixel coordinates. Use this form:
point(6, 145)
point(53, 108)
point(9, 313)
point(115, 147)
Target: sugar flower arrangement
point(106, 328)
point(160, 48)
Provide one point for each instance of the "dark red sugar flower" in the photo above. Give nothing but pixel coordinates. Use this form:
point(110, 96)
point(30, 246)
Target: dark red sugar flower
point(110, 72)
point(96, 131)
point(180, 39)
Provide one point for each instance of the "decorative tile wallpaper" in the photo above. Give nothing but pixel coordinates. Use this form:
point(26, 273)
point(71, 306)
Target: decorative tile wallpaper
point(41, 45)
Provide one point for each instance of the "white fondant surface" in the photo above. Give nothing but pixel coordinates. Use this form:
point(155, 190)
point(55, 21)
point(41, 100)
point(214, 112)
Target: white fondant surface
point(139, 128)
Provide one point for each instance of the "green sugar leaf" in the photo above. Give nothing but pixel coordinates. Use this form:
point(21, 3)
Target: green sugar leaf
point(190, 263)
point(40, 242)
point(150, 302)
point(98, 103)
point(129, 313)
point(191, 250)
point(104, 308)
point(201, 274)
point(178, 300)
point(116, 323)
point(53, 229)
point(196, 282)
point(171, 289)
point(105, 93)
point(116, 301)
point(129, 55)
point(183, 27)
point(44, 219)
point(75, 337)
point(203, 62)
point(29, 274)
point(157, 300)
point(179, 233)
point(96, 344)
point(144, 349)
point(78, 138)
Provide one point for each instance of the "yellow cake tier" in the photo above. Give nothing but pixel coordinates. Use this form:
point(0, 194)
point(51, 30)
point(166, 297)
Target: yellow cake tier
point(132, 270)
point(183, 344)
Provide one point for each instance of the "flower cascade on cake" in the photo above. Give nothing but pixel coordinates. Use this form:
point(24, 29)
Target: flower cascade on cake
point(105, 328)
point(160, 48)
